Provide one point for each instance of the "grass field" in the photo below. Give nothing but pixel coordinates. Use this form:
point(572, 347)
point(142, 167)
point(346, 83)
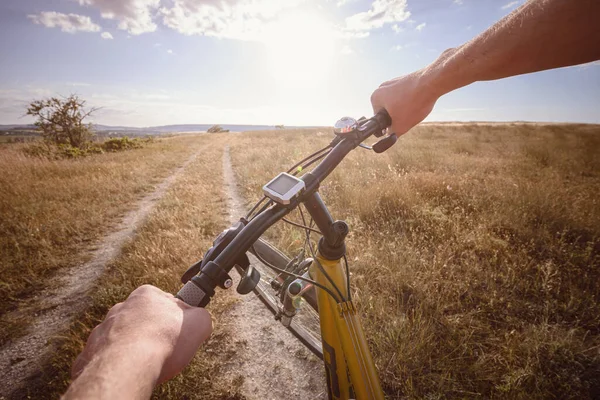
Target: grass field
point(475, 252)
point(52, 211)
point(474, 249)
point(176, 234)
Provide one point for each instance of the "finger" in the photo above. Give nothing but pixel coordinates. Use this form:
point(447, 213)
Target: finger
point(376, 101)
point(195, 330)
point(203, 321)
point(80, 363)
point(113, 310)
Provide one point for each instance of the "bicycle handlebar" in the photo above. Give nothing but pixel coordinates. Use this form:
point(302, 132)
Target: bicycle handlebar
point(198, 290)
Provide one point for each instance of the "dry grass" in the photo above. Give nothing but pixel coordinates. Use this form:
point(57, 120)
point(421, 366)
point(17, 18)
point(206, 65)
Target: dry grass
point(176, 234)
point(51, 211)
point(475, 254)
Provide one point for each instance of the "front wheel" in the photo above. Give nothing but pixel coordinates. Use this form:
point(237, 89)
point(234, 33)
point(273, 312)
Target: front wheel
point(305, 325)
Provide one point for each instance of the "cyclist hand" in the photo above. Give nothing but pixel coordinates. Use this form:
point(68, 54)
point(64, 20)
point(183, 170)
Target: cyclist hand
point(153, 322)
point(408, 99)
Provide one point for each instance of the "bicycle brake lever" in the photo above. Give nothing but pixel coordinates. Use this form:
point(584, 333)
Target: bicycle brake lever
point(385, 143)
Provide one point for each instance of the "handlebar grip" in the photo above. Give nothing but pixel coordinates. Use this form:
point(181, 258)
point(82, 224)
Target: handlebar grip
point(193, 295)
point(384, 119)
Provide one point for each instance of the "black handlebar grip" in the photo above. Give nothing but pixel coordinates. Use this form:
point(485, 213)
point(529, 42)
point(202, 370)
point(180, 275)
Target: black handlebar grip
point(193, 295)
point(384, 119)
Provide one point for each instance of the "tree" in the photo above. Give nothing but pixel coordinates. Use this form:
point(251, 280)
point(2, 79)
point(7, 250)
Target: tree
point(216, 129)
point(279, 127)
point(61, 120)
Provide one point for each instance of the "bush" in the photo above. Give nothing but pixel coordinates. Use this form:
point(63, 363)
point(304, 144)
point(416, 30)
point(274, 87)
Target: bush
point(50, 151)
point(217, 129)
point(119, 144)
point(40, 150)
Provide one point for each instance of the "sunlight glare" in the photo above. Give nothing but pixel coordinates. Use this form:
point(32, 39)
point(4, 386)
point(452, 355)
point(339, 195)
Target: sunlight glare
point(300, 50)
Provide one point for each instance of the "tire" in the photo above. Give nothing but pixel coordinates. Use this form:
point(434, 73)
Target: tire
point(305, 325)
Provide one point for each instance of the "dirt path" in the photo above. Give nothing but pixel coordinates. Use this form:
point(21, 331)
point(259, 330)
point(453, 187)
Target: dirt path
point(67, 295)
point(269, 362)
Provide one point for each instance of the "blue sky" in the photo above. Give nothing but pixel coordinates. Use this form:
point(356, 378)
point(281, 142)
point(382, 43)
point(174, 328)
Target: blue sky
point(296, 62)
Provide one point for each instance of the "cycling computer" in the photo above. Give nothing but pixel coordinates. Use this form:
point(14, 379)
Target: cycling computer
point(283, 188)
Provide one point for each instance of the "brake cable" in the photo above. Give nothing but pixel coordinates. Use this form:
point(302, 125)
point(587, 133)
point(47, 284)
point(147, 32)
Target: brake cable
point(300, 225)
point(317, 260)
point(283, 271)
point(299, 163)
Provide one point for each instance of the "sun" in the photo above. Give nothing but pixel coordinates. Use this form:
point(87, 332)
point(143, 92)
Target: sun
point(300, 49)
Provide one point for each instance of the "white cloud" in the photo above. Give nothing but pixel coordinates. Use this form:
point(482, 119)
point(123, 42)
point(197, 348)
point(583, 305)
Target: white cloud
point(397, 47)
point(106, 35)
point(420, 27)
point(458, 2)
point(347, 50)
point(241, 19)
point(381, 12)
point(170, 51)
point(397, 28)
point(134, 16)
point(70, 23)
point(512, 4)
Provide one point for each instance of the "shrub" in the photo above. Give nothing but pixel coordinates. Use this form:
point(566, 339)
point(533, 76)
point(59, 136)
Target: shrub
point(217, 129)
point(119, 144)
point(50, 151)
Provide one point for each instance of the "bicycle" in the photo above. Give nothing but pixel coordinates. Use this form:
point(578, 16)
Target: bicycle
point(329, 326)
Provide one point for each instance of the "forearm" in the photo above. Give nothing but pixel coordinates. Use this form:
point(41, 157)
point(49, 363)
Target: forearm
point(120, 372)
point(540, 35)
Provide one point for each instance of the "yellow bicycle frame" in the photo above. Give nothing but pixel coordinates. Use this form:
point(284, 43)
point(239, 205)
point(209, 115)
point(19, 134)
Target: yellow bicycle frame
point(348, 363)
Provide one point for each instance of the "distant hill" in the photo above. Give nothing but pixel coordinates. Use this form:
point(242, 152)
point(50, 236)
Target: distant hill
point(159, 129)
point(190, 128)
point(17, 127)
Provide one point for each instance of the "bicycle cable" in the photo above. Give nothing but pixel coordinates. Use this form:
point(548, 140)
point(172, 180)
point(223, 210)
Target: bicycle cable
point(282, 271)
point(299, 163)
point(300, 225)
point(347, 278)
point(312, 251)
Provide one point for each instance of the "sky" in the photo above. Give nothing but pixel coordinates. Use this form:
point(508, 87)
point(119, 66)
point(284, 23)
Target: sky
point(293, 62)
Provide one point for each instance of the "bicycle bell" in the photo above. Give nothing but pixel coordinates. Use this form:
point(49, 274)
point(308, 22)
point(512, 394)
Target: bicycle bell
point(345, 125)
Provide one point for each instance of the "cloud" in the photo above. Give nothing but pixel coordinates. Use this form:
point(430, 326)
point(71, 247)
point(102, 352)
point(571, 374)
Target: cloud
point(70, 23)
point(397, 47)
point(420, 27)
point(347, 50)
point(241, 19)
point(512, 4)
point(381, 12)
point(458, 2)
point(170, 51)
point(397, 28)
point(134, 16)
point(106, 35)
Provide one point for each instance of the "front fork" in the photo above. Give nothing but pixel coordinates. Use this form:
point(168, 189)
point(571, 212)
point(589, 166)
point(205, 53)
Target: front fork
point(345, 350)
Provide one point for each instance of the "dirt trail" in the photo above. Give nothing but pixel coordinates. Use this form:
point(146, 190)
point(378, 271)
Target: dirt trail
point(67, 295)
point(269, 361)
